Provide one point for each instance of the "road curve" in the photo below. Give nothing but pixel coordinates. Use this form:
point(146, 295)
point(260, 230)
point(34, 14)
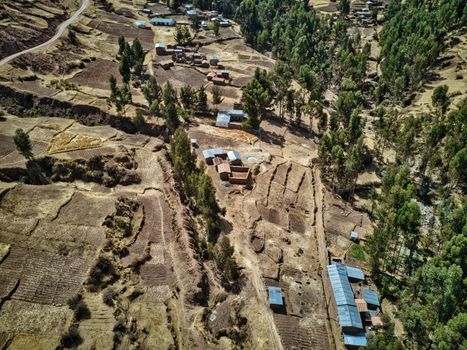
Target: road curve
point(57, 35)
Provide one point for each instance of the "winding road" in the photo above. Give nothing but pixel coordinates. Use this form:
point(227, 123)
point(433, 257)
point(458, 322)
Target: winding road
point(57, 35)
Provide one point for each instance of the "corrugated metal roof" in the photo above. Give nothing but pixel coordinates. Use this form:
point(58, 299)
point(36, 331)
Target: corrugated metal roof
point(349, 316)
point(354, 234)
point(340, 284)
point(223, 117)
point(233, 155)
point(358, 339)
point(275, 296)
point(355, 273)
point(370, 296)
point(212, 152)
point(191, 12)
point(161, 45)
point(163, 20)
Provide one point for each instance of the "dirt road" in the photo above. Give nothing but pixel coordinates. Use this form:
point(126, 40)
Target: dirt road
point(57, 35)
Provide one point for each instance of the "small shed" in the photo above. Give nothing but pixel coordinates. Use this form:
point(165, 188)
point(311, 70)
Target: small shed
point(147, 10)
point(214, 60)
point(224, 23)
point(210, 154)
point(276, 299)
point(224, 171)
point(157, 21)
point(361, 305)
point(224, 74)
point(354, 341)
point(191, 13)
point(371, 297)
point(218, 81)
point(194, 143)
point(160, 48)
point(234, 157)
point(211, 75)
point(355, 274)
point(237, 115)
point(140, 24)
point(223, 120)
point(204, 64)
point(354, 236)
point(188, 7)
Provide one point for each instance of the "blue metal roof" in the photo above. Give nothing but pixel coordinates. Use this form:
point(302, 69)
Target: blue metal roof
point(358, 339)
point(349, 316)
point(140, 23)
point(162, 45)
point(355, 273)
point(233, 155)
point(370, 296)
point(275, 296)
point(166, 21)
point(210, 153)
point(354, 234)
point(191, 12)
point(223, 117)
point(340, 284)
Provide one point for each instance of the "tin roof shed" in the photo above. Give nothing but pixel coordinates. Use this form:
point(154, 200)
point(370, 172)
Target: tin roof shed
point(340, 284)
point(361, 305)
point(349, 317)
point(355, 340)
point(275, 296)
point(370, 296)
point(355, 274)
point(233, 155)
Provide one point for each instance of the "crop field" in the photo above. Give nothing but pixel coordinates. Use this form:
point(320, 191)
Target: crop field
point(96, 75)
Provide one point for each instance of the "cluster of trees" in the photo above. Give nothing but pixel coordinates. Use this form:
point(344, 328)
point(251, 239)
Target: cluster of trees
point(182, 35)
point(411, 40)
point(166, 102)
point(131, 65)
point(194, 183)
point(341, 149)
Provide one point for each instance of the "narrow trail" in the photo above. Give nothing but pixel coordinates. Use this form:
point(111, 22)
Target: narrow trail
point(58, 34)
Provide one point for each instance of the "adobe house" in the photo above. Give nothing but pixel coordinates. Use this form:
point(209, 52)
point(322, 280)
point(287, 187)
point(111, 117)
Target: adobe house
point(224, 171)
point(218, 81)
point(214, 60)
point(240, 175)
point(210, 154)
point(160, 49)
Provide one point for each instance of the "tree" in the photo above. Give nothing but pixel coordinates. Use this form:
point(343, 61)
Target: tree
point(171, 116)
point(113, 88)
point(187, 97)
point(255, 99)
point(137, 50)
point(225, 261)
point(183, 159)
point(202, 99)
point(121, 45)
point(215, 28)
point(453, 335)
point(72, 38)
point(169, 94)
point(23, 144)
point(125, 69)
point(151, 90)
point(154, 108)
point(217, 96)
point(139, 120)
point(344, 6)
point(440, 98)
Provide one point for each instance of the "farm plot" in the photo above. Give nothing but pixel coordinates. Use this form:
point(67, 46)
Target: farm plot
point(96, 74)
point(114, 30)
point(180, 76)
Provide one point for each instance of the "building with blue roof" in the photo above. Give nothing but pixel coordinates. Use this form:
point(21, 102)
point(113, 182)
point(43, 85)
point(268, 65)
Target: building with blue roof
point(140, 24)
point(340, 285)
point(275, 296)
point(169, 22)
point(191, 13)
point(223, 120)
point(371, 297)
point(349, 316)
point(276, 299)
point(210, 154)
point(355, 274)
point(354, 341)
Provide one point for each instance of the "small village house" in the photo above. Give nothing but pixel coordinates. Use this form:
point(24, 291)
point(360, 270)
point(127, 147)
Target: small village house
point(234, 158)
point(160, 49)
point(168, 22)
point(224, 171)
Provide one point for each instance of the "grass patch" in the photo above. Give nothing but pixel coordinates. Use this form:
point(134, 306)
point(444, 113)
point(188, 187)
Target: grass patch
point(356, 251)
